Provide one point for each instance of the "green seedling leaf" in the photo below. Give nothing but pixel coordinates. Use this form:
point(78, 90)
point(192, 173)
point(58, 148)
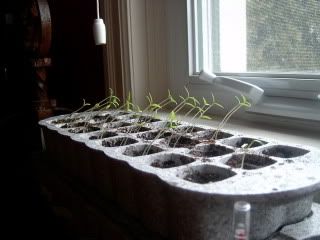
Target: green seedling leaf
point(195, 101)
point(138, 109)
point(205, 103)
point(190, 105)
point(155, 107)
point(205, 117)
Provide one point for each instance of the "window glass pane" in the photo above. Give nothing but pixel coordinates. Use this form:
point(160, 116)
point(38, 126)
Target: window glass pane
point(283, 36)
point(266, 36)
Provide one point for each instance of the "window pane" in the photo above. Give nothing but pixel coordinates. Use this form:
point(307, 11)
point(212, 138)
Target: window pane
point(266, 36)
point(283, 36)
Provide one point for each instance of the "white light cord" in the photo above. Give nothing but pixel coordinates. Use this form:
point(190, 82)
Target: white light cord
point(98, 15)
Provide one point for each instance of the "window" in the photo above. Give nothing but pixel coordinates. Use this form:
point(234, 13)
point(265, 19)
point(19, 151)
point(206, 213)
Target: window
point(273, 44)
point(253, 36)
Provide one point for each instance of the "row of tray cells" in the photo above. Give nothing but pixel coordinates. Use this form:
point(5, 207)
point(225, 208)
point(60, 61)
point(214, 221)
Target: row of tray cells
point(205, 136)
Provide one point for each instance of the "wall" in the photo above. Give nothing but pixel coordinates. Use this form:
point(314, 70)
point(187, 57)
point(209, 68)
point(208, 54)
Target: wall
point(77, 70)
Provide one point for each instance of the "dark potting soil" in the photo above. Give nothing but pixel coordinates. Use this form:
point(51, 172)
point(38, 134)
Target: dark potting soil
point(285, 151)
point(104, 118)
point(66, 120)
point(134, 129)
point(207, 136)
point(178, 141)
point(147, 119)
point(118, 142)
point(139, 151)
point(103, 135)
point(210, 150)
point(153, 135)
point(202, 178)
point(251, 161)
point(189, 129)
point(170, 161)
point(84, 129)
point(74, 125)
point(118, 124)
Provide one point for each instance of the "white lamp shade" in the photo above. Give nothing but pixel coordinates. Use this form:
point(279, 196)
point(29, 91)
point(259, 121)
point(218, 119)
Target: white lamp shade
point(99, 31)
point(228, 84)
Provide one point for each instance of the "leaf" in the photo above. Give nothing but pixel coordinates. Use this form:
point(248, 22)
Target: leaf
point(205, 101)
point(205, 117)
point(172, 116)
point(189, 104)
point(173, 100)
point(200, 109)
point(195, 101)
point(155, 107)
point(138, 108)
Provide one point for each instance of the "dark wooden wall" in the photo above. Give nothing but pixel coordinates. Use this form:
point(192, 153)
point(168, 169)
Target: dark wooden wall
point(76, 73)
point(77, 70)
point(77, 63)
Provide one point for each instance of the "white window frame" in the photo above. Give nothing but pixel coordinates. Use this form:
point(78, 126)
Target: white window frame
point(293, 97)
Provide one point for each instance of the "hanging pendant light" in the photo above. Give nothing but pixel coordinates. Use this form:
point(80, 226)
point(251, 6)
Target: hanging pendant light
point(99, 29)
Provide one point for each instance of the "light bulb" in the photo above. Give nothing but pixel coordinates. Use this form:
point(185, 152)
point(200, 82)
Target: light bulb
point(99, 29)
point(99, 32)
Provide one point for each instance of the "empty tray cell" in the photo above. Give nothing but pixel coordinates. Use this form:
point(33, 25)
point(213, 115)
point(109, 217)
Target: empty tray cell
point(84, 129)
point(171, 160)
point(140, 150)
point(189, 129)
point(250, 161)
point(74, 125)
point(206, 174)
point(134, 129)
point(207, 136)
point(152, 135)
point(116, 142)
point(283, 151)
point(103, 135)
point(178, 141)
point(239, 142)
point(210, 150)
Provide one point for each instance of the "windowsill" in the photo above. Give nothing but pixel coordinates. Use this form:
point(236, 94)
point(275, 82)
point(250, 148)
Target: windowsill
point(291, 136)
point(304, 110)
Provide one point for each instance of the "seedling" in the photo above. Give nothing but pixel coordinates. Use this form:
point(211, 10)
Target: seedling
point(245, 147)
point(114, 102)
point(172, 117)
point(82, 107)
point(242, 102)
point(200, 114)
point(153, 108)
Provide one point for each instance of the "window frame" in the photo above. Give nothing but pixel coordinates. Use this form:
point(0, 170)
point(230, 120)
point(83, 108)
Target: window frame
point(285, 94)
point(267, 81)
